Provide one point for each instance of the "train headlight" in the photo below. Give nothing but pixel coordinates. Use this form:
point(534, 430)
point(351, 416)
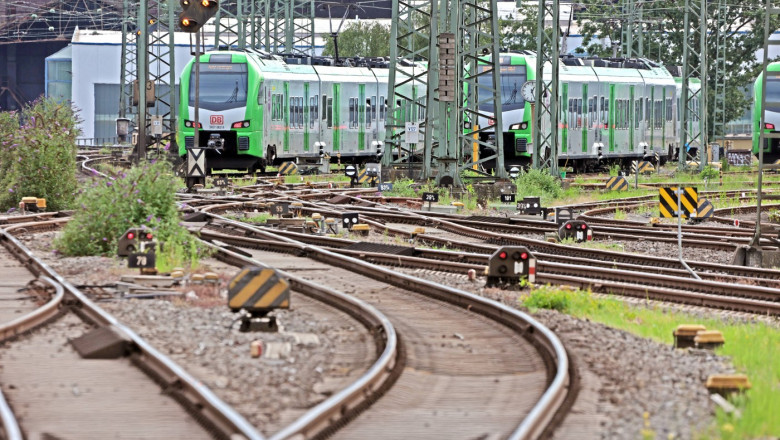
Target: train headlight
point(240, 124)
point(521, 126)
point(190, 124)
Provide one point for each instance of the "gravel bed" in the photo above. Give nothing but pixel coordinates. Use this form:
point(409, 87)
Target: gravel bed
point(320, 350)
point(628, 376)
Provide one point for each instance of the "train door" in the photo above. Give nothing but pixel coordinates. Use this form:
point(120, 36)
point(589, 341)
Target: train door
point(361, 117)
point(566, 107)
point(306, 115)
point(611, 118)
point(585, 114)
point(630, 121)
point(286, 116)
point(334, 116)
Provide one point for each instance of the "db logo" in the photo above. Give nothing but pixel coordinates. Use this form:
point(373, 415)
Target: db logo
point(217, 120)
point(492, 121)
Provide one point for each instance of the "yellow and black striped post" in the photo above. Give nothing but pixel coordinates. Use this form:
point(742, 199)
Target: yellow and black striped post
point(645, 167)
point(362, 176)
point(288, 168)
point(705, 209)
point(617, 183)
point(258, 291)
point(667, 201)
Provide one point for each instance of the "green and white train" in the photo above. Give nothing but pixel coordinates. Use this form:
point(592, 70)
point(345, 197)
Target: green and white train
point(267, 110)
point(611, 111)
point(772, 113)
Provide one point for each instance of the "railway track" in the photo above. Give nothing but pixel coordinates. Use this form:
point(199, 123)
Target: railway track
point(427, 316)
point(52, 392)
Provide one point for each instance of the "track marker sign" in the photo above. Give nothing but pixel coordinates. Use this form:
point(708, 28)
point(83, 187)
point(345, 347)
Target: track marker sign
point(667, 201)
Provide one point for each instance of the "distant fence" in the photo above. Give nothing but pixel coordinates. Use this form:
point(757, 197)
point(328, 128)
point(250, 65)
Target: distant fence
point(97, 142)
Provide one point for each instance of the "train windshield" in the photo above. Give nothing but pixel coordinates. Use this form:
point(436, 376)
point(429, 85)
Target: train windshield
point(512, 78)
point(773, 93)
point(222, 86)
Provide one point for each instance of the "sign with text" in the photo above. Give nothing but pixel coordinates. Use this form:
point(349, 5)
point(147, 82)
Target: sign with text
point(412, 135)
point(430, 197)
point(385, 187)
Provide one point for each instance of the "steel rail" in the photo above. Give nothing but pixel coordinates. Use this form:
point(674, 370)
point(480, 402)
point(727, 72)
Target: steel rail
point(583, 280)
point(202, 401)
point(9, 423)
point(550, 347)
point(37, 316)
point(380, 375)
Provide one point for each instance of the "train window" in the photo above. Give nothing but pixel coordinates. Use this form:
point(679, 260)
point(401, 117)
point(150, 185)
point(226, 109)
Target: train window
point(351, 110)
point(373, 107)
point(657, 116)
point(368, 112)
point(300, 112)
point(648, 112)
point(316, 110)
point(293, 112)
point(329, 112)
point(627, 113)
point(669, 109)
point(324, 107)
point(382, 107)
point(311, 110)
point(637, 112)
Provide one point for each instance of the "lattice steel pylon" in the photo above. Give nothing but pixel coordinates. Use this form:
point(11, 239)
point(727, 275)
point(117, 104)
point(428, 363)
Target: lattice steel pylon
point(148, 55)
point(545, 151)
point(128, 58)
point(410, 37)
point(632, 27)
point(694, 112)
point(719, 109)
point(480, 73)
point(230, 30)
point(456, 44)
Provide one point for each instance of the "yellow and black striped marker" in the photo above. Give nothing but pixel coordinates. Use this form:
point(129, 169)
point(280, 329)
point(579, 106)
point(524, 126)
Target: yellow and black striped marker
point(667, 202)
point(288, 168)
point(617, 183)
point(646, 167)
point(705, 209)
point(362, 177)
point(256, 289)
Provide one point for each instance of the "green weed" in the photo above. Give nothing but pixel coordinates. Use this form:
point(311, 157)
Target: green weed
point(753, 347)
point(144, 197)
point(39, 158)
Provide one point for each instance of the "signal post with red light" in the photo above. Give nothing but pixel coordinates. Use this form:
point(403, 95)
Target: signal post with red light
point(131, 241)
point(576, 230)
point(510, 264)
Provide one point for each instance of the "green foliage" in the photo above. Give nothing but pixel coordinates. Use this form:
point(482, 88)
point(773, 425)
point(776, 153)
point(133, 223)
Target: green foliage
point(620, 214)
point(360, 39)
point(520, 33)
point(145, 196)
point(614, 169)
point(753, 348)
point(538, 183)
point(38, 159)
point(548, 298)
point(709, 173)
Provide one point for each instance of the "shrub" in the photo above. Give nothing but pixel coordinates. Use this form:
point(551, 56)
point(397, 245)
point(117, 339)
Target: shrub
point(145, 196)
point(538, 183)
point(709, 173)
point(548, 298)
point(39, 158)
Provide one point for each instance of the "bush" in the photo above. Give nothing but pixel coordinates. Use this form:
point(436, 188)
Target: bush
point(38, 159)
point(709, 173)
point(549, 298)
point(538, 183)
point(145, 196)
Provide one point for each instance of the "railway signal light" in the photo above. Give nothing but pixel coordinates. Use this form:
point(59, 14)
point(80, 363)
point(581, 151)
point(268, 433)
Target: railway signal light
point(509, 264)
point(196, 13)
point(577, 230)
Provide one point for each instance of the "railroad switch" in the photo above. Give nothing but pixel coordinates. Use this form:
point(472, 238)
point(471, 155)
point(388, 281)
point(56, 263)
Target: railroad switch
point(725, 384)
point(685, 334)
point(332, 226)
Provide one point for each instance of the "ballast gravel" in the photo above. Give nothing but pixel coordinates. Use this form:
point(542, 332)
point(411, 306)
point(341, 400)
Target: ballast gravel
point(631, 386)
